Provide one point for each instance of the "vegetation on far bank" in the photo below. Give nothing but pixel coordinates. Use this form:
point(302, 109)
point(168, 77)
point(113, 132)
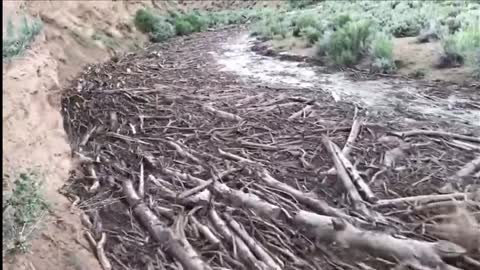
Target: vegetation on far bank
point(350, 33)
point(161, 27)
point(23, 209)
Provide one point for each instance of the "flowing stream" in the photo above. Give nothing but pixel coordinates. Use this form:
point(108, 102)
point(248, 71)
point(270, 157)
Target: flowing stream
point(380, 96)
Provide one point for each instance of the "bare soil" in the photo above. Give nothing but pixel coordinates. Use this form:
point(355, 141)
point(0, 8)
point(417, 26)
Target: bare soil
point(154, 125)
point(424, 57)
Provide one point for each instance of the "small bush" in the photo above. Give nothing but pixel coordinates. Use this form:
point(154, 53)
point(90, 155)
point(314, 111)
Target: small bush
point(198, 21)
point(270, 28)
point(21, 212)
point(17, 40)
point(476, 64)
point(302, 3)
point(158, 27)
point(162, 31)
point(183, 27)
point(382, 46)
point(348, 44)
point(312, 34)
point(383, 65)
point(145, 20)
point(434, 31)
point(462, 46)
point(382, 54)
point(304, 20)
point(340, 21)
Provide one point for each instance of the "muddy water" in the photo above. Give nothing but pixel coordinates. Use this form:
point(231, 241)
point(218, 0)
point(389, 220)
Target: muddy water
point(393, 97)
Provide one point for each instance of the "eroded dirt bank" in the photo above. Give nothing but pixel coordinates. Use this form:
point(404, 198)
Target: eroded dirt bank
point(188, 163)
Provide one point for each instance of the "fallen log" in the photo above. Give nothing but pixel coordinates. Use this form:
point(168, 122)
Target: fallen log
point(347, 182)
point(172, 244)
point(301, 112)
point(428, 254)
point(469, 168)
point(223, 114)
point(236, 242)
point(317, 204)
point(424, 198)
point(207, 233)
point(347, 148)
point(363, 188)
point(236, 157)
point(433, 133)
point(256, 247)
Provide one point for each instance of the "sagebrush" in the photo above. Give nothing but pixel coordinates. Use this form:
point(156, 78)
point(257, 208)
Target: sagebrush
point(18, 38)
point(23, 209)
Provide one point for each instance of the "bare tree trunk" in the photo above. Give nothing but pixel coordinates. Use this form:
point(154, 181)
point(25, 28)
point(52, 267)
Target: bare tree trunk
point(172, 243)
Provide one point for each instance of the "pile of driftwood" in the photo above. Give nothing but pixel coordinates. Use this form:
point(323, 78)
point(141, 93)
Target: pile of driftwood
point(183, 167)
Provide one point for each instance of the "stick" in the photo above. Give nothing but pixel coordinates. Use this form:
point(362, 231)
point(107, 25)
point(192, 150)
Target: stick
point(223, 114)
point(423, 198)
point(236, 157)
point(342, 174)
point(363, 188)
point(347, 148)
point(87, 136)
point(469, 168)
point(256, 247)
point(99, 248)
point(209, 235)
point(183, 153)
point(315, 203)
point(141, 182)
point(301, 112)
point(433, 133)
point(162, 234)
point(195, 190)
point(243, 251)
point(356, 125)
point(93, 175)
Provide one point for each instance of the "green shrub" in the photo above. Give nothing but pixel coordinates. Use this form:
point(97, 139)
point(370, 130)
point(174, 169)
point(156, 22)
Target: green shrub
point(312, 34)
point(476, 64)
point(162, 31)
point(348, 44)
point(302, 3)
point(22, 210)
point(198, 21)
point(433, 31)
point(340, 21)
point(382, 46)
point(462, 46)
point(145, 20)
point(304, 20)
point(183, 27)
point(17, 40)
point(270, 28)
point(158, 27)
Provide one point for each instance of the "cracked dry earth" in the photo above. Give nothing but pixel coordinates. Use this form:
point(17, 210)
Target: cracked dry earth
point(184, 166)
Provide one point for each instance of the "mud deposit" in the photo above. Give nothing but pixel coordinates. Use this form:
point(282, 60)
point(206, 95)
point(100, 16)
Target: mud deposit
point(397, 98)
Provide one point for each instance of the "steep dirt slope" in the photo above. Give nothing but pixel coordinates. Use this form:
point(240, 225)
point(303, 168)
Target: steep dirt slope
point(33, 128)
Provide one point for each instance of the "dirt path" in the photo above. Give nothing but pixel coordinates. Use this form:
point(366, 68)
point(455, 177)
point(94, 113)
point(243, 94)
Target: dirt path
point(181, 159)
